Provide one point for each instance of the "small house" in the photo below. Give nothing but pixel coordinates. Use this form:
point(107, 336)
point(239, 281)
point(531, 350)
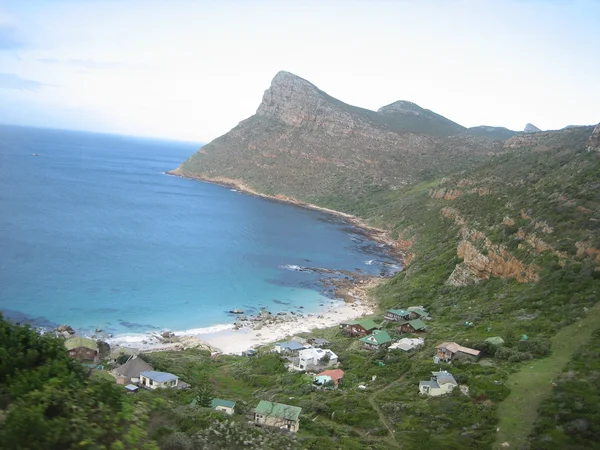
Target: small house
point(397, 315)
point(359, 327)
point(407, 344)
point(334, 376)
point(130, 371)
point(157, 380)
point(376, 340)
point(288, 347)
point(440, 383)
point(418, 312)
point(277, 415)
point(313, 358)
point(412, 326)
point(449, 351)
point(225, 406)
point(82, 349)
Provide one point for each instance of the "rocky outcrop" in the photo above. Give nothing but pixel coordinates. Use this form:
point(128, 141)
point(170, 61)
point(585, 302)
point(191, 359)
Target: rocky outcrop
point(304, 144)
point(594, 141)
point(531, 128)
point(483, 259)
point(550, 140)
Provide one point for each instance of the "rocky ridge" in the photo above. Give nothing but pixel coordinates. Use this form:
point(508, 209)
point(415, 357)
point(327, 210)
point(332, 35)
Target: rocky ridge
point(304, 144)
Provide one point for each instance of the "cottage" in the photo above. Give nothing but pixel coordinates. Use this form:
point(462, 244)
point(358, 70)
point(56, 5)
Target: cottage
point(313, 358)
point(288, 347)
point(449, 351)
point(418, 312)
point(334, 376)
point(376, 340)
point(440, 383)
point(82, 349)
point(397, 315)
point(156, 380)
point(407, 344)
point(412, 326)
point(225, 406)
point(129, 373)
point(359, 327)
point(277, 415)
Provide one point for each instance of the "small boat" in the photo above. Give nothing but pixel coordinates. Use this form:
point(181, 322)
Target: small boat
point(35, 154)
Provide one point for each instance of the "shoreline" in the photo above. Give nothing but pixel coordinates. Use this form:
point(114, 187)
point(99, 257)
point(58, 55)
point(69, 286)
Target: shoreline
point(237, 337)
point(377, 234)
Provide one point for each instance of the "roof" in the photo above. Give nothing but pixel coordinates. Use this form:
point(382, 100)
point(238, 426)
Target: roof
point(420, 312)
point(79, 341)
point(220, 402)
point(334, 374)
point(454, 348)
point(407, 344)
point(131, 387)
point(367, 324)
point(417, 324)
point(377, 338)
point(444, 378)
point(133, 368)
point(399, 312)
point(431, 383)
point(321, 341)
point(316, 353)
point(159, 377)
point(290, 345)
point(496, 340)
point(278, 410)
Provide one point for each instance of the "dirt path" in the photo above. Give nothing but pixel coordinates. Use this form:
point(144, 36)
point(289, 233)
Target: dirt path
point(533, 383)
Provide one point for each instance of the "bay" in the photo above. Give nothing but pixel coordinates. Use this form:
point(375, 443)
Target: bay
point(94, 234)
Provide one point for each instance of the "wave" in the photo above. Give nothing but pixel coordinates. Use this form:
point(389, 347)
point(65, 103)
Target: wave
point(205, 330)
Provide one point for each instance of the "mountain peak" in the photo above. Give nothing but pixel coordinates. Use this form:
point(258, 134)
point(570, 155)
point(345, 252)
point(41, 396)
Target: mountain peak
point(402, 106)
point(531, 128)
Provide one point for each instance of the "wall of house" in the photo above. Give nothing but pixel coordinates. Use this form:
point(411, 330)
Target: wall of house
point(225, 409)
point(270, 421)
point(460, 356)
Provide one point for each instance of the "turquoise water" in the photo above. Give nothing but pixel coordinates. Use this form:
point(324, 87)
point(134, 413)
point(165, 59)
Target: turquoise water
point(94, 234)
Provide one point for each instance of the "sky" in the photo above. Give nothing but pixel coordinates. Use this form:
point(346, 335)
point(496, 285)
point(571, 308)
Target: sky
point(193, 69)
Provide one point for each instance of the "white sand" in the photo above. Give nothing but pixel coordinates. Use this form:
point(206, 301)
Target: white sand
point(236, 341)
point(230, 341)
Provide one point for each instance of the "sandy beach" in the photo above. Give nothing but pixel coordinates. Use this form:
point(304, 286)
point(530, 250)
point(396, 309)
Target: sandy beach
point(226, 339)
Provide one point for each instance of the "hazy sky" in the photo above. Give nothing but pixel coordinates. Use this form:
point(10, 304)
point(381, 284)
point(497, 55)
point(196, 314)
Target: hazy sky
point(192, 70)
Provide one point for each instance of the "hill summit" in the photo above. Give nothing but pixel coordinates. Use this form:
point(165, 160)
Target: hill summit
point(306, 144)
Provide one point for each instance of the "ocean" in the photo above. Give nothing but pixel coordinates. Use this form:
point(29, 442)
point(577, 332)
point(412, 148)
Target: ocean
point(94, 234)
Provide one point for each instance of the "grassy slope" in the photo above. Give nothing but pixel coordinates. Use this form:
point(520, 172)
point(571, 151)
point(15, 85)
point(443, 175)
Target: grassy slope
point(530, 385)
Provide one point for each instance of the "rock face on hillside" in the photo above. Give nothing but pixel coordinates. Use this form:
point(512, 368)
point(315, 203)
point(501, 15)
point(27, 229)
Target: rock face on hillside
point(305, 144)
point(531, 128)
point(548, 140)
point(594, 142)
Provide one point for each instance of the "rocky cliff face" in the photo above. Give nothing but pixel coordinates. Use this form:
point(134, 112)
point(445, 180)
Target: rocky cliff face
point(305, 144)
point(594, 141)
point(549, 140)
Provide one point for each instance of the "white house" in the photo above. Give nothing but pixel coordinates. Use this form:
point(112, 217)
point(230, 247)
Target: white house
point(440, 383)
point(311, 358)
point(407, 344)
point(156, 380)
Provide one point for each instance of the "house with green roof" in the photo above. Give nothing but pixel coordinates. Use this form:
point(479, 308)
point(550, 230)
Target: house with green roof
point(218, 404)
point(277, 415)
point(397, 315)
point(82, 349)
point(412, 326)
point(375, 340)
point(362, 327)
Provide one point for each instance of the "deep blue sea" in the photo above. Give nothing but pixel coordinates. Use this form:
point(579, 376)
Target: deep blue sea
point(94, 234)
